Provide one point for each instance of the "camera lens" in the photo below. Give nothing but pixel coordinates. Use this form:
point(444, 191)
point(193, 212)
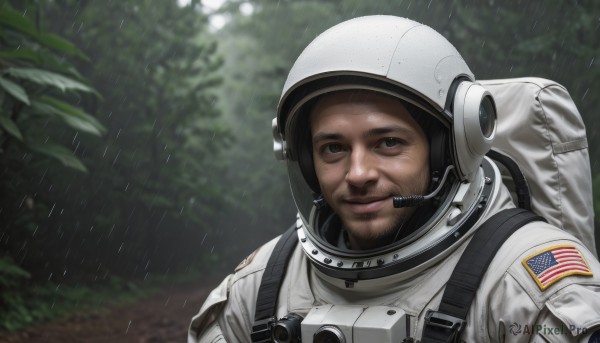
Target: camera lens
point(287, 329)
point(329, 334)
point(487, 116)
point(280, 334)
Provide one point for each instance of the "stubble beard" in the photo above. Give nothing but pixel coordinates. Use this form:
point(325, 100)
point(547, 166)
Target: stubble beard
point(363, 229)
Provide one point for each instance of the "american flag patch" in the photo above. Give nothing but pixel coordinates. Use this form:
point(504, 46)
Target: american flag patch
point(552, 264)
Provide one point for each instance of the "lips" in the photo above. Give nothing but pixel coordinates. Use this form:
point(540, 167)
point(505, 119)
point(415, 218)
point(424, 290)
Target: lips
point(367, 204)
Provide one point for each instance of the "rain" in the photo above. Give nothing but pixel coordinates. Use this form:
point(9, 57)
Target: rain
point(136, 150)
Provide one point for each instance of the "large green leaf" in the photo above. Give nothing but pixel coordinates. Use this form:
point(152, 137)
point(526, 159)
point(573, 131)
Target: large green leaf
point(14, 89)
point(72, 116)
point(74, 112)
point(59, 44)
point(22, 54)
point(12, 19)
point(15, 20)
point(10, 127)
point(60, 153)
point(47, 78)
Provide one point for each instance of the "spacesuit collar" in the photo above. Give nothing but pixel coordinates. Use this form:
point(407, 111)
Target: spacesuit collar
point(410, 290)
point(332, 231)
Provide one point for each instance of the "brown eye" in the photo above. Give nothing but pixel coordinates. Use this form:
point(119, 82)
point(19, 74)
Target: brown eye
point(389, 142)
point(332, 148)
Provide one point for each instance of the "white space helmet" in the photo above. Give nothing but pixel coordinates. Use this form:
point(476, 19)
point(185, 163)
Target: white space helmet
point(414, 63)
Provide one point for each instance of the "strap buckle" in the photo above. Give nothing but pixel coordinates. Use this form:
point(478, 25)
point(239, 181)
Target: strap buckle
point(261, 330)
point(443, 321)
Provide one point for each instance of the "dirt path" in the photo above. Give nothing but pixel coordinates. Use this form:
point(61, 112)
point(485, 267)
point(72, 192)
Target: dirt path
point(164, 317)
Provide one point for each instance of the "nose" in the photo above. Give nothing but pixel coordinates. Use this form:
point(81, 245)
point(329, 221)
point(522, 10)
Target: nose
point(362, 169)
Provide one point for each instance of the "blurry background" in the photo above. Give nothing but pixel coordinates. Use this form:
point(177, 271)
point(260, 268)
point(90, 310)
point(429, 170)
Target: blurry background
point(135, 138)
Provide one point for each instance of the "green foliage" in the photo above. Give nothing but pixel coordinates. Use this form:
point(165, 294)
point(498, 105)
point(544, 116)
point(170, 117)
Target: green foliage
point(11, 277)
point(15, 90)
point(11, 274)
point(13, 20)
point(150, 193)
point(50, 301)
point(24, 79)
point(57, 300)
point(60, 153)
point(10, 127)
point(33, 83)
point(150, 153)
point(70, 115)
point(46, 78)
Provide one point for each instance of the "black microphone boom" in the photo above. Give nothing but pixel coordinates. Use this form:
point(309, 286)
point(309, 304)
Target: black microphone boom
point(408, 201)
point(417, 200)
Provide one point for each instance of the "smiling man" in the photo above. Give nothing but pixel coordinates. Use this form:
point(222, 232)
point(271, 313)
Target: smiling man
point(405, 230)
point(367, 148)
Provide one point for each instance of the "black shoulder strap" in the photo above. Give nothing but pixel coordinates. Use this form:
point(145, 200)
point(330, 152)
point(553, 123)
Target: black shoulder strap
point(521, 186)
point(446, 324)
point(272, 278)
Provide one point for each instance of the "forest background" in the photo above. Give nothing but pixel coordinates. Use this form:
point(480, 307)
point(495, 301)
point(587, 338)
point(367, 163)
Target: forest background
point(135, 138)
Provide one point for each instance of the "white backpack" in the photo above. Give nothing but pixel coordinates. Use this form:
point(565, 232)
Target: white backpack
point(540, 128)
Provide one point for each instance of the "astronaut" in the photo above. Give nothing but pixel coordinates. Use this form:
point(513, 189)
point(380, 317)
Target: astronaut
point(390, 190)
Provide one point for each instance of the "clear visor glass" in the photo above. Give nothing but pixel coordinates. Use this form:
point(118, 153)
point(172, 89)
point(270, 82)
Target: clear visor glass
point(301, 192)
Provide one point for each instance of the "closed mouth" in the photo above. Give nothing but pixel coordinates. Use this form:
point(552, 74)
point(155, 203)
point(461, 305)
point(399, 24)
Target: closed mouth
point(366, 204)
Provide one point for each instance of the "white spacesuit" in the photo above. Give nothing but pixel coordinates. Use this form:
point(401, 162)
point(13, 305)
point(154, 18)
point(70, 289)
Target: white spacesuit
point(542, 285)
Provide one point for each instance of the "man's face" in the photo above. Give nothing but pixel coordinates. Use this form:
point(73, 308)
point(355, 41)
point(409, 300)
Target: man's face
point(367, 149)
